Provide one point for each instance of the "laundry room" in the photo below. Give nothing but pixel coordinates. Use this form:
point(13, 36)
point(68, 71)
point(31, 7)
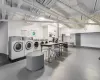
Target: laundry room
point(20, 31)
point(49, 39)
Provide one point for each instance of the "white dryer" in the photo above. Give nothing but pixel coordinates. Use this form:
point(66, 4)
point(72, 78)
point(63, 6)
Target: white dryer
point(16, 47)
point(36, 44)
point(28, 41)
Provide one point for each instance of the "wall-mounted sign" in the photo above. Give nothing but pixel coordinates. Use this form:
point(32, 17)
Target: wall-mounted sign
point(33, 33)
point(24, 33)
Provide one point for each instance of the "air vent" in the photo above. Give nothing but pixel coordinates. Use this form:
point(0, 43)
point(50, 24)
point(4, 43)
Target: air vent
point(24, 7)
point(12, 3)
point(47, 3)
point(40, 1)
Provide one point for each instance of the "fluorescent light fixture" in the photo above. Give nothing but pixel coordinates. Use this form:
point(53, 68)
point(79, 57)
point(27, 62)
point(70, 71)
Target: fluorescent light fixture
point(42, 18)
point(90, 21)
point(61, 26)
point(67, 34)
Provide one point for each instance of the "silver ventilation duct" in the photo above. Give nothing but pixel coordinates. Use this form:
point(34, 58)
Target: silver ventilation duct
point(47, 3)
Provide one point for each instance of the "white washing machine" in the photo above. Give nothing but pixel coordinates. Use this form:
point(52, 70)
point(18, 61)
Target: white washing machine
point(16, 47)
point(46, 41)
point(41, 42)
point(28, 41)
point(36, 44)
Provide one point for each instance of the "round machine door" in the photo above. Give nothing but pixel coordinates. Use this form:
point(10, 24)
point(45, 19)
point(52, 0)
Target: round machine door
point(46, 42)
point(42, 43)
point(18, 46)
point(28, 45)
point(36, 44)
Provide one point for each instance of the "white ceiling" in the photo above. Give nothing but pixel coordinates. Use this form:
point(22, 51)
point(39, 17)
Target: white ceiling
point(71, 13)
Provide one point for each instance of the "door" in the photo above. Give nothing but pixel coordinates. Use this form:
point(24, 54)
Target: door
point(78, 39)
point(18, 46)
point(28, 45)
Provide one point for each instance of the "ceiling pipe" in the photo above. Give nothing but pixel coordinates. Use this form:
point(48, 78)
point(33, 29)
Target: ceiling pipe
point(80, 25)
point(60, 21)
point(50, 12)
point(26, 12)
point(41, 7)
point(80, 12)
point(14, 10)
point(48, 22)
point(59, 9)
point(95, 5)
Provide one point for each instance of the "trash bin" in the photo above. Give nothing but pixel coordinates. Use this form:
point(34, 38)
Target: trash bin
point(35, 61)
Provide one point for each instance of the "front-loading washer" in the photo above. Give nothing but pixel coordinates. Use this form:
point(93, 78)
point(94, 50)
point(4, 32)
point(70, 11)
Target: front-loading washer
point(42, 42)
point(46, 41)
point(28, 41)
point(16, 47)
point(36, 44)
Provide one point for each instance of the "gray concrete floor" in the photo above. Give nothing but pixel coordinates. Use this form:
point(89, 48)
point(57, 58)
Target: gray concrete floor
point(76, 64)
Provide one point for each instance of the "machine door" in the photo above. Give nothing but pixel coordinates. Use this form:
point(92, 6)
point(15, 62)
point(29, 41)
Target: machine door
point(18, 46)
point(28, 45)
point(42, 43)
point(36, 44)
point(46, 42)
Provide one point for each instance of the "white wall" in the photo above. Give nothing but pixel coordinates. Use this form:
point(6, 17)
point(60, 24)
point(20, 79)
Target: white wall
point(90, 40)
point(86, 29)
point(3, 37)
point(16, 28)
point(52, 29)
point(48, 28)
point(45, 32)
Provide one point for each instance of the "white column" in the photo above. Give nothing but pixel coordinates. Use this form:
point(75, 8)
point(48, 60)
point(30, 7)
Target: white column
point(58, 31)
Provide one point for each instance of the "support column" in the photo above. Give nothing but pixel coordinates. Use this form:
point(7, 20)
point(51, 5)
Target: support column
point(58, 31)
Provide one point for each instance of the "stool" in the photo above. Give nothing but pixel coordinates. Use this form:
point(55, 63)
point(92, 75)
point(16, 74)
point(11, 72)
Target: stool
point(34, 61)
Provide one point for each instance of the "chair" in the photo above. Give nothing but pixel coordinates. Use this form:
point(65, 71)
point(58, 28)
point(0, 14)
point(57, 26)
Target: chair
point(65, 47)
point(55, 51)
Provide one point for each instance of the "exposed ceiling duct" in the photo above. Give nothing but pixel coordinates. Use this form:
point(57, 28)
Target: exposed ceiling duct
point(81, 12)
point(47, 3)
point(35, 7)
point(58, 10)
point(90, 6)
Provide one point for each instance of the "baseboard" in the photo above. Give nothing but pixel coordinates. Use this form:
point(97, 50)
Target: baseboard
point(89, 47)
point(18, 59)
point(85, 47)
